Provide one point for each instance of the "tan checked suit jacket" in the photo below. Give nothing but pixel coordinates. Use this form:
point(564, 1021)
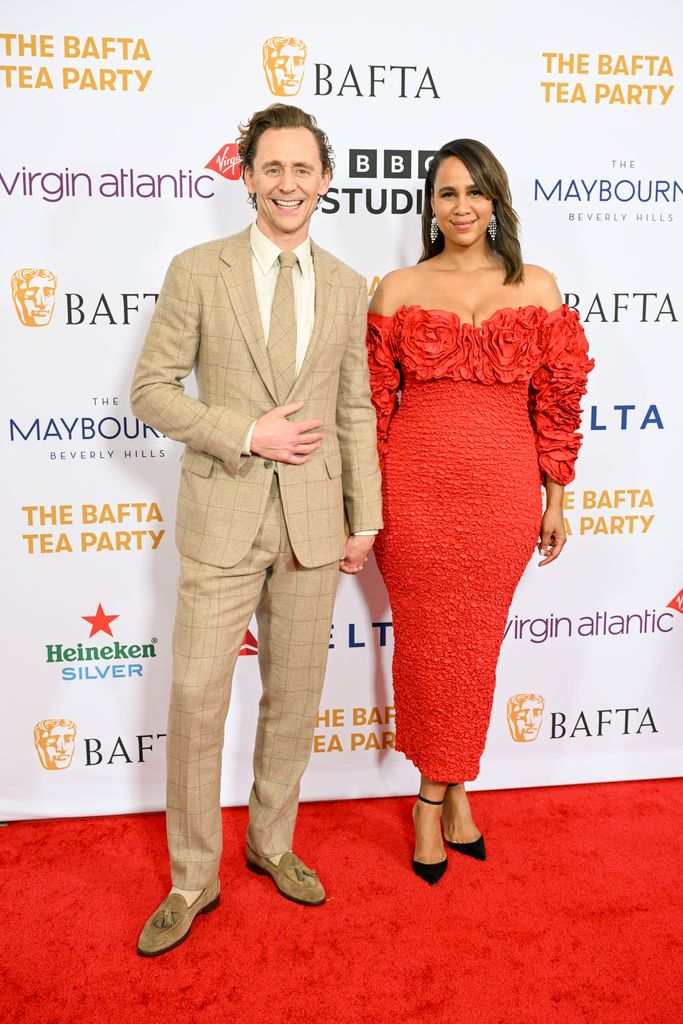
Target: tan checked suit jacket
point(207, 318)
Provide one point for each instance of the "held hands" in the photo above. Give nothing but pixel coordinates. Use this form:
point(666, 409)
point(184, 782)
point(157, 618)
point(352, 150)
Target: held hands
point(356, 554)
point(553, 535)
point(274, 437)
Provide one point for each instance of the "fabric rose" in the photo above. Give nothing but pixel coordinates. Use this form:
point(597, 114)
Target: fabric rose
point(432, 345)
point(385, 375)
point(556, 388)
point(510, 345)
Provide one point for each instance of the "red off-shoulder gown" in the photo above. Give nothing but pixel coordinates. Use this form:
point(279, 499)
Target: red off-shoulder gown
point(482, 411)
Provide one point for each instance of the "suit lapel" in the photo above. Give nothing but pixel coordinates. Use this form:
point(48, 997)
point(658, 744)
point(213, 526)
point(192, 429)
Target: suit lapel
point(238, 276)
point(325, 274)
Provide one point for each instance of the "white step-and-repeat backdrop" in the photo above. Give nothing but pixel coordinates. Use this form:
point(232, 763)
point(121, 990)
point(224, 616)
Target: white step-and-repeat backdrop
point(118, 151)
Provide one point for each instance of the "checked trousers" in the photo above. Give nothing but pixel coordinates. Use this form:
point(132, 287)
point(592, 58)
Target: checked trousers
point(293, 607)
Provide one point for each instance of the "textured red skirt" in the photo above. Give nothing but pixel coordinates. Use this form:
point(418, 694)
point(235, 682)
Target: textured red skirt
point(462, 513)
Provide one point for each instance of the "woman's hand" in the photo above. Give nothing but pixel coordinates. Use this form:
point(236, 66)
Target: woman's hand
point(356, 553)
point(553, 534)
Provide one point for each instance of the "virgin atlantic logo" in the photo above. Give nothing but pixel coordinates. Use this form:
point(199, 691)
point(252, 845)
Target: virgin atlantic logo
point(226, 162)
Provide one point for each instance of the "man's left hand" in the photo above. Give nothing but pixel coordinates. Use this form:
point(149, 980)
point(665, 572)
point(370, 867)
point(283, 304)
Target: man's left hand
point(356, 554)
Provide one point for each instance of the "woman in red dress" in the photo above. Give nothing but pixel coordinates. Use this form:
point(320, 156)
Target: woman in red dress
point(477, 370)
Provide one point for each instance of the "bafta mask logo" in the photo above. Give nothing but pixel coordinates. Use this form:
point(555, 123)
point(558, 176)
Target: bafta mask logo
point(525, 714)
point(284, 61)
point(54, 740)
point(33, 294)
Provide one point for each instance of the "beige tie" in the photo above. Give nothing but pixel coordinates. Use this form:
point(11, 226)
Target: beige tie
point(282, 333)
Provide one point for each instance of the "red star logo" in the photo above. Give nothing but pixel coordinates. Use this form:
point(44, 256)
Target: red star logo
point(99, 622)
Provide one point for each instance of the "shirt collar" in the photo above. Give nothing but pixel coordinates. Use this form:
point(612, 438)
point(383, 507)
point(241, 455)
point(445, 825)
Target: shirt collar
point(266, 252)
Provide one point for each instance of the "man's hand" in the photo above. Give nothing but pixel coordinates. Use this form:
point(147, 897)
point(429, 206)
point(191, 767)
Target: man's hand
point(356, 554)
point(276, 438)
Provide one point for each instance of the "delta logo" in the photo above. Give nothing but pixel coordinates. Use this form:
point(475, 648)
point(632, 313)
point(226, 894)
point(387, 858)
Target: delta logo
point(249, 644)
point(95, 662)
point(284, 64)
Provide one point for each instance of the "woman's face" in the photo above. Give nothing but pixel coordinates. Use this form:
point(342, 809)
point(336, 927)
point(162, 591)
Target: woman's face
point(461, 210)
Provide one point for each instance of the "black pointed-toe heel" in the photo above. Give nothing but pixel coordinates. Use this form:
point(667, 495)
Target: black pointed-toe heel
point(476, 849)
point(431, 873)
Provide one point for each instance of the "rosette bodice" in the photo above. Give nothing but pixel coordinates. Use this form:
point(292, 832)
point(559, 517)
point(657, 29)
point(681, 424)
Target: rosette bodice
point(549, 350)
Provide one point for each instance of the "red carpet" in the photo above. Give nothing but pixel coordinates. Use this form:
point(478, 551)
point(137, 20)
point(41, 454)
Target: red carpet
point(575, 917)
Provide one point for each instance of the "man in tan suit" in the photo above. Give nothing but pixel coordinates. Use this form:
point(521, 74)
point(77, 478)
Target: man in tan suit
point(279, 489)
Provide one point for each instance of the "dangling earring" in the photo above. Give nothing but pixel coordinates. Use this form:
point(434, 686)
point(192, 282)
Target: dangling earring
point(433, 229)
point(492, 228)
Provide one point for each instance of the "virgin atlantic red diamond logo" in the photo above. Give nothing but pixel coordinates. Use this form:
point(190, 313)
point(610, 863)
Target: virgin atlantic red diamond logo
point(226, 162)
point(249, 644)
point(100, 622)
point(677, 602)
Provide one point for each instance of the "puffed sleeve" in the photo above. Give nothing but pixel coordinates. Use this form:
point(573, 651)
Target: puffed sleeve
point(385, 375)
point(555, 392)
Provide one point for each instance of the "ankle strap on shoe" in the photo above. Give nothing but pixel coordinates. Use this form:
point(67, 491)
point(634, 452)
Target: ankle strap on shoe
point(435, 803)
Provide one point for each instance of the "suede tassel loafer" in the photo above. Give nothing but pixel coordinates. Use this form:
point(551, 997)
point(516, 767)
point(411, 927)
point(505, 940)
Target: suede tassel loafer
point(292, 878)
point(170, 924)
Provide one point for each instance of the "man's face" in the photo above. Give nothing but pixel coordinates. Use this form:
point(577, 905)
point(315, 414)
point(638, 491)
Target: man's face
point(37, 301)
point(525, 720)
point(287, 178)
point(55, 745)
point(284, 68)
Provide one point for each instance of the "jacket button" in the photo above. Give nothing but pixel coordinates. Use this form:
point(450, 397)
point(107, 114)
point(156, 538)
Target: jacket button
point(268, 464)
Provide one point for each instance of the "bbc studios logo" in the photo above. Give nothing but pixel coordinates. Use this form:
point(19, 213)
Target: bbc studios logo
point(389, 166)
